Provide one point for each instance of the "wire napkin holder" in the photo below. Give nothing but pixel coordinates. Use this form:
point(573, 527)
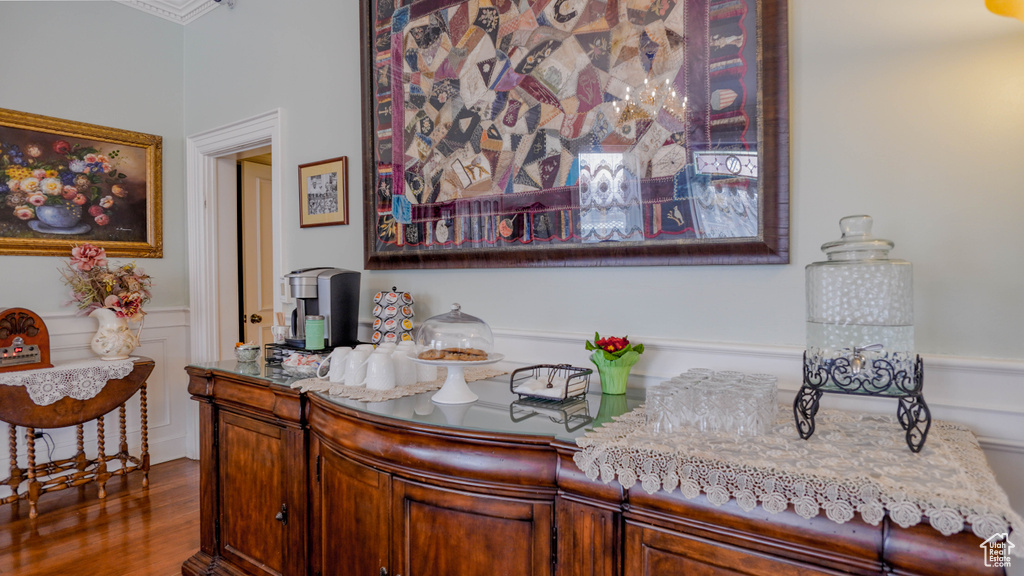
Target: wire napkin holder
point(558, 382)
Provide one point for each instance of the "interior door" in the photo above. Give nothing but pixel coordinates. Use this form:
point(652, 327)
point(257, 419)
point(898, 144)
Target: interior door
point(257, 253)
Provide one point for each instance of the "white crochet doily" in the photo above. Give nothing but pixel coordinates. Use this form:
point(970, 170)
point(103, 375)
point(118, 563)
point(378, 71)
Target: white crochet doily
point(80, 380)
point(473, 373)
point(854, 463)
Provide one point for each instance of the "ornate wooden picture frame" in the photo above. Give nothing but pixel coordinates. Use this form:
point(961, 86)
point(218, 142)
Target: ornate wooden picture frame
point(63, 183)
point(323, 193)
point(575, 132)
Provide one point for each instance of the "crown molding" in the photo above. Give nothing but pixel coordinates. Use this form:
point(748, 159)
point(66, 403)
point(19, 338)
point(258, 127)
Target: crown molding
point(180, 11)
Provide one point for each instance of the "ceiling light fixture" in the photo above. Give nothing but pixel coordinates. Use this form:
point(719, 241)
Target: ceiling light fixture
point(1011, 8)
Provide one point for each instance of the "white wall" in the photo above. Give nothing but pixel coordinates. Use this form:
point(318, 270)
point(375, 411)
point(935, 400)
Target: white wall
point(107, 64)
point(101, 63)
point(911, 111)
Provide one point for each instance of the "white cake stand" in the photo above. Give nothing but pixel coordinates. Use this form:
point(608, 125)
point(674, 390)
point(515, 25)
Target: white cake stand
point(455, 390)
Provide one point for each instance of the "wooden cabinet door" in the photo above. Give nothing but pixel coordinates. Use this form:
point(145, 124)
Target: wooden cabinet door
point(350, 516)
point(588, 540)
point(437, 531)
point(258, 520)
point(654, 552)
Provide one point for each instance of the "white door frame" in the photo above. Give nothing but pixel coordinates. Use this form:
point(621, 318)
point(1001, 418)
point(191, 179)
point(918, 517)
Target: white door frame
point(202, 193)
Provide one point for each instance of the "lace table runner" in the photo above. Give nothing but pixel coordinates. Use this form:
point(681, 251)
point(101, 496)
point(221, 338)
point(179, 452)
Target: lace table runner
point(473, 373)
point(854, 463)
point(81, 380)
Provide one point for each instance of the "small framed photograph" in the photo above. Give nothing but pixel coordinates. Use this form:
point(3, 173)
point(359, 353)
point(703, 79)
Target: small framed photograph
point(323, 193)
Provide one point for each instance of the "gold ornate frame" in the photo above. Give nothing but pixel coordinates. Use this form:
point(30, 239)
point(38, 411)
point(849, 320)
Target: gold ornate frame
point(33, 243)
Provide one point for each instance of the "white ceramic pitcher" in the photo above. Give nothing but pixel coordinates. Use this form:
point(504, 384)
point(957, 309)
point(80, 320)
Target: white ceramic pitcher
point(114, 340)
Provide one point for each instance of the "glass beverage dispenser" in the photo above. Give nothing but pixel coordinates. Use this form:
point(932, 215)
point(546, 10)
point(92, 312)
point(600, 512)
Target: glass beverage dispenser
point(860, 330)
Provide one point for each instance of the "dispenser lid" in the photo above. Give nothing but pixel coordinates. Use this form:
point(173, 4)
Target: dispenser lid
point(856, 238)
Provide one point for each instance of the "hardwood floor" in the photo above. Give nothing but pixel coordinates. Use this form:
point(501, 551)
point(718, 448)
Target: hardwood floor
point(134, 531)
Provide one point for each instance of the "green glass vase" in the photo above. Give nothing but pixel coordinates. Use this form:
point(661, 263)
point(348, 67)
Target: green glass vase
point(611, 407)
point(614, 373)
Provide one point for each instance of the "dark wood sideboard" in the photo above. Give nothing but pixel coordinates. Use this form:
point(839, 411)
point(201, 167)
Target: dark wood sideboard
point(299, 484)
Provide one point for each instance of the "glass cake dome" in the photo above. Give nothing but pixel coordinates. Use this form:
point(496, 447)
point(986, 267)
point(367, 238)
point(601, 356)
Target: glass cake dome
point(455, 332)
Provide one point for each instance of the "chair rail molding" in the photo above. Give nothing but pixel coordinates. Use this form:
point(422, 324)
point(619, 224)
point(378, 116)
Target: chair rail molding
point(984, 394)
point(202, 151)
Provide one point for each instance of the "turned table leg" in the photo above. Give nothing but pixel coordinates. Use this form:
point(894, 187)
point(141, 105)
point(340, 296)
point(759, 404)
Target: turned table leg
point(122, 448)
point(33, 485)
point(144, 457)
point(101, 458)
point(15, 480)
point(81, 462)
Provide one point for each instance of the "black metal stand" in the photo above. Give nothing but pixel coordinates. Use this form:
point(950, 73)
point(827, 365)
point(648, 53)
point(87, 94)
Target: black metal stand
point(842, 376)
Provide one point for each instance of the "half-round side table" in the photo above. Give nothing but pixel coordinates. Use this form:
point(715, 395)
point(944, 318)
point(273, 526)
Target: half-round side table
point(17, 409)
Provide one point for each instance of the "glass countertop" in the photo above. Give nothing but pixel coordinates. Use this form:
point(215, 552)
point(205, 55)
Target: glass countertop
point(498, 410)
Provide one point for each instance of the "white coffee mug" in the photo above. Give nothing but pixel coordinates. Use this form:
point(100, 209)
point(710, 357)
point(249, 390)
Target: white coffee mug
point(385, 408)
point(355, 366)
point(336, 363)
point(380, 372)
point(424, 407)
point(426, 372)
point(405, 367)
point(405, 407)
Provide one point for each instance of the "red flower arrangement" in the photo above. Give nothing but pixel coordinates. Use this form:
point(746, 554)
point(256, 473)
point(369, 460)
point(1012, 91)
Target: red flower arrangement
point(614, 357)
point(613, 346)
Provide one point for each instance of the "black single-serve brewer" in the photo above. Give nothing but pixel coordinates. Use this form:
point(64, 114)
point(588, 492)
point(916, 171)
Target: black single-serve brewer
point(329, 292)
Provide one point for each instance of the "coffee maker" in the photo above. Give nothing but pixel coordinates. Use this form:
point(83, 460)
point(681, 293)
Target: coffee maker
point(329, 292)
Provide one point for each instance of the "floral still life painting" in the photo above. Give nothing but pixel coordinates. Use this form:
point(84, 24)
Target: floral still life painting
point(64, 182)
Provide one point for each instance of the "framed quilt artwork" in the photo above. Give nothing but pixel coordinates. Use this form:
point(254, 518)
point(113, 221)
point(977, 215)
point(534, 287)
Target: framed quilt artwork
point(63, 183)
point(501, 133)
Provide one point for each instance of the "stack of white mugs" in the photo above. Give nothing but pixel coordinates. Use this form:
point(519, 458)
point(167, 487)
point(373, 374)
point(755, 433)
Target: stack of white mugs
point(377, 368)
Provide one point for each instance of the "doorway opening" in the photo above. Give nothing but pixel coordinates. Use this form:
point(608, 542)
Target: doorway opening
point(212, 158)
